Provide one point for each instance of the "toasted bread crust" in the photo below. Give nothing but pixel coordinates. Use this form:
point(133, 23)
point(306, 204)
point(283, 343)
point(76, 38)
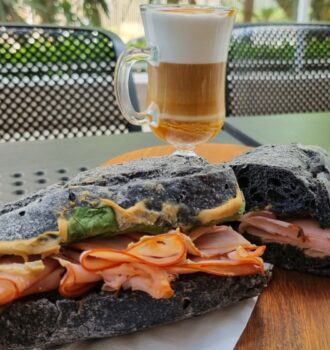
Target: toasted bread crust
point(292, 258)
point(188, 183)
point(291, 180)
point(48, 320)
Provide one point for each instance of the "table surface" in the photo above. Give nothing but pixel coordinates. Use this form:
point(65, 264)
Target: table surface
point(307, 128)
point(29, 166)
point(293, 313)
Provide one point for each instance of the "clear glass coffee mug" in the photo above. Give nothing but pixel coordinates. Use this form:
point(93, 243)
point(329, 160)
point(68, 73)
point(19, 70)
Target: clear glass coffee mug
point(186, 55)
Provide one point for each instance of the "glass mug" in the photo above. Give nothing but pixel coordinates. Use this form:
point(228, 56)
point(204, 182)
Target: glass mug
point(186, 55)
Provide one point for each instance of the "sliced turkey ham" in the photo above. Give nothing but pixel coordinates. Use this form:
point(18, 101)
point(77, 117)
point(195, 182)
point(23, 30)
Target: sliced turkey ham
point(217, 240)
point(303, 233)
point(136, 261)
point(136, 276)
point(20, 279)
point(76, 280)
point(151, 263)
point(160, 250)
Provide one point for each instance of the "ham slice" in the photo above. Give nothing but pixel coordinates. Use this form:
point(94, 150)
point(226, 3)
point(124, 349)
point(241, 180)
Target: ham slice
point(135, 261)
point(239, 262)
point(17, 280)
point(151, 263)
point(160, 250)
point(49, 282)
point(216, 240)
point(136, 276)
point(76, 281)
point(303, 233)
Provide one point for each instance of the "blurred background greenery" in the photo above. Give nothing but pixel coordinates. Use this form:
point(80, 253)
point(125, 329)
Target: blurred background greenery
point(122, 16)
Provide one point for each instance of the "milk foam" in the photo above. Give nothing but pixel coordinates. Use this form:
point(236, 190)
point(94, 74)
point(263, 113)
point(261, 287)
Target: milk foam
point(191, 38)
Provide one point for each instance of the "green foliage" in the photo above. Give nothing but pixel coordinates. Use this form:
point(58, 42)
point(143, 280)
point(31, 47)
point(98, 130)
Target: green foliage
point(244, 50)
point(46, 9)
point(49, 11)
point(33, 51)
point(8, 11)
point(265, 14)
point(320, 10)
point(316, 48)
point(93, 10)
point(289, 7)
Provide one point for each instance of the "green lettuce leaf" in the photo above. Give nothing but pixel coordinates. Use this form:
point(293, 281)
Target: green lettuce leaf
point(90, 222)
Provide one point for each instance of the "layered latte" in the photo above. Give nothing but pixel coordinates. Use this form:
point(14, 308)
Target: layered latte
point(187, 79)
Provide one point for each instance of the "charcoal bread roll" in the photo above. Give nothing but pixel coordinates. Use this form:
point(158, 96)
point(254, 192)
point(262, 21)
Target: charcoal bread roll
point(44, 321)
point(291, 180)
point(290, 257)
point(165, 192)
point(188, 183)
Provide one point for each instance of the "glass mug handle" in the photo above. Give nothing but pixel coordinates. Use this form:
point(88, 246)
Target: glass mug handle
point(127, 59)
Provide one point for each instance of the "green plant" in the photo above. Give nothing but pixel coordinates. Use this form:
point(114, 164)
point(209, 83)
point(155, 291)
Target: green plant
point(93, 10)
point(49, 11)
point(8, 11)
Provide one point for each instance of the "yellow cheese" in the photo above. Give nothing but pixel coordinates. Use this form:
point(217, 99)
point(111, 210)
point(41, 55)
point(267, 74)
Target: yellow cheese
point(28, 268)
point(49, 242)
point(45, 244)
point(138, 214)
point(63, 224)
point(229, 208)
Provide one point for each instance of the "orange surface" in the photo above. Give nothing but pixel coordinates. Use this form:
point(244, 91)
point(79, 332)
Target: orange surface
point(214, 153)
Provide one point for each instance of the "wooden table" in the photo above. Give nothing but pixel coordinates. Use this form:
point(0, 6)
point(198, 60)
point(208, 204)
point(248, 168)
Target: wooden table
point(308, 129)
point(292, 313)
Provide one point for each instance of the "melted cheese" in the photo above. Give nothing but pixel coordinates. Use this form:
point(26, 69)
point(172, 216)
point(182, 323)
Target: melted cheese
point(49, 242)
point(45, 244)
point(25, 269)
point(226, 210)
point(138, 214)
point(63, 224)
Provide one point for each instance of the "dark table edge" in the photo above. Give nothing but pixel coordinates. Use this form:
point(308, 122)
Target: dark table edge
point(241, 136)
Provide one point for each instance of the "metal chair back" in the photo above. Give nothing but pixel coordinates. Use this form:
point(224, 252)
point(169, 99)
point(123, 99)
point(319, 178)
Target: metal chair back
point(57, 82)
point(278, 68)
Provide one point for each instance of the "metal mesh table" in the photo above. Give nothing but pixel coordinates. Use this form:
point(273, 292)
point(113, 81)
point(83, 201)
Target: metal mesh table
point(29, 166)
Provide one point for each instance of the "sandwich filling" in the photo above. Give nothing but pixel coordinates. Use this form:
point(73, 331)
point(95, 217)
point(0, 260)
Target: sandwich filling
point(305, 234)
point(106, 218)
point(119, 248)
point(132, 261)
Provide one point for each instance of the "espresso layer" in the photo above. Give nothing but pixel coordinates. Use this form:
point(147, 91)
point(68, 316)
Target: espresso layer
point(188, 90)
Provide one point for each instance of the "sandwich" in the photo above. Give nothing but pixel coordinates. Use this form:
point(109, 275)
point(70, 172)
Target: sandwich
point(287, 194)
point(123, 248)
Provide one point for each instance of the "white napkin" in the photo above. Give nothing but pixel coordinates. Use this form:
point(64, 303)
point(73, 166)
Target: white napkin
point(216, 330)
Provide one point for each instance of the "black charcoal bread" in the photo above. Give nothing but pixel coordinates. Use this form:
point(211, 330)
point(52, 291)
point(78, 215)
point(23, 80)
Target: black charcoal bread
point(44, 321)
point(290, 180)
point(172, 191)
point(291, 257)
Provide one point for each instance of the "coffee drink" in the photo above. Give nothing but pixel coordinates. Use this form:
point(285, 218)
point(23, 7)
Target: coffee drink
point(186, 84)
point(190, 99)
point(186, 51)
